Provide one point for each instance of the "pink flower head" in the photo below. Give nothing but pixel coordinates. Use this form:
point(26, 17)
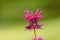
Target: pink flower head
point(33, 19)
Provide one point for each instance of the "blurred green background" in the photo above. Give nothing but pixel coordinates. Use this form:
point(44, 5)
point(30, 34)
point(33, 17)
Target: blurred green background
point(12, 22)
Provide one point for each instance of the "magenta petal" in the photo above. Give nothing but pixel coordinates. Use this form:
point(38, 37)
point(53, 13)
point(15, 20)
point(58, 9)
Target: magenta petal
point(31, 18)
point(39, 26)
point(27, 14)
point(28, 27)
point(38, 14)
point(37, 11)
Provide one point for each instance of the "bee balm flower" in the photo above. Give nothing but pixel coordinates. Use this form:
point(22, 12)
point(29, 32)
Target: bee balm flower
point(33, 19)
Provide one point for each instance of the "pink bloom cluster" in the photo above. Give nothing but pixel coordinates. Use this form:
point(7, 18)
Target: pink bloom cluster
point(33, 19)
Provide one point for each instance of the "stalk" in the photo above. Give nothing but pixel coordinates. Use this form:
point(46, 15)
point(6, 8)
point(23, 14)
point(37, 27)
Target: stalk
point(35, 34)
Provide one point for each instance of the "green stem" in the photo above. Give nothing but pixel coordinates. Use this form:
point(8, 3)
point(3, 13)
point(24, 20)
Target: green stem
point(35, 34)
